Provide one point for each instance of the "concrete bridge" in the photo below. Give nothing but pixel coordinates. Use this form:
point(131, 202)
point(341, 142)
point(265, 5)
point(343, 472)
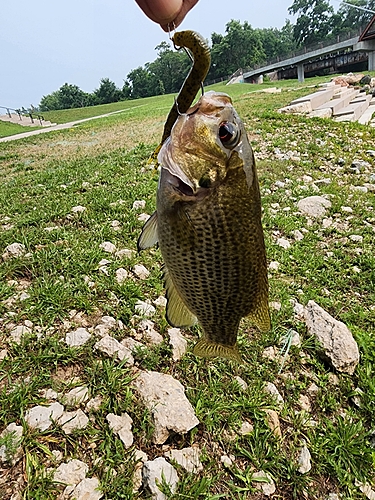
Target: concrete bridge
point(354, 48)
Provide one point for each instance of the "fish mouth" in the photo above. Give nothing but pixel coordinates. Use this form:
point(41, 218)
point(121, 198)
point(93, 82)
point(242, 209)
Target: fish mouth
point(178, 184)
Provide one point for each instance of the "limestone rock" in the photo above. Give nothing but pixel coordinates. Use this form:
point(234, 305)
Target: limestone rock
point(18, 332)
point(338, 344)
point(87, 489)
point(108, 247)
point(241, 382)
point(78, 337)
point(178, 343)
point(141, 272)
point(121, 425)
point(94, 404)
point(112, 347)
point(272, 389)
point(304, 461)
point(144, 308)
point(149, 333)
point(246, 428)
point(314, 206)
point(153, 473)
point(78, 209)
point(188, 458)
point(165, 398)
point(140, 458)
point(76, 396)
point(137, 204)
point(105, 325)
point(13, 251)
point(40, 417)
point(121, 275)
point(71, 472)
point(73, 420)
point(264, 483)
point(13, 452)
point(273, 422)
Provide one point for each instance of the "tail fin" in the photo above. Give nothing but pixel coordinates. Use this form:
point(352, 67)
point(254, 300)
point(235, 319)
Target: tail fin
point(206, 349)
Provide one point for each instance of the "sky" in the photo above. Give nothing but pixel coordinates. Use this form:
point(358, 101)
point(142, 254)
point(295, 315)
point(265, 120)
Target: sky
point(44, 43)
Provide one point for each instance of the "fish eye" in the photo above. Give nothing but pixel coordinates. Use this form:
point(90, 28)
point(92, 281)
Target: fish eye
point(229, 134)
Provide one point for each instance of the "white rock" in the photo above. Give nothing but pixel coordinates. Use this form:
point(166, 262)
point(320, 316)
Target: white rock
point(297, 235)
point(149, 333)
point(140, 458)
point(283, 243)
point(73, 420)
point(141, 271)
point(246, 428)
point(78, 337)
point(188, 458)
point(160, 301)
point(18, 332)
point(304, 461)
point(226, 461)
point(116, 225)
point(264, 483)
point(94, 404)
point(76, 396)
point(132, 344)
point(153, 473)
point(270, 353)
point(139, 204)
point(336, 339)
point(314, 206)
point(49, 394)
point(348, 210)
point(276, 306)
point(165, 398)
point(108, 247)
point(112, 347)
point(3, 354)
point(144, 308)
point(13, 452)
point(87, 489)
point(304, 402)
point(13, 251)
point(143, 217)
point(327, 222)
point(356, 238)
point(71, 472)
point(272, 389)
point(78, 209)
point(241, 383)
point(178, 343)
point(40, 417)
point(121, 425)
point(274, 266)
point(124, 253)
point(366, 489)
point(121, 275)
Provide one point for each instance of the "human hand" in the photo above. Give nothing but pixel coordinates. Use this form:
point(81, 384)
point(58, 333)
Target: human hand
point(168, 13)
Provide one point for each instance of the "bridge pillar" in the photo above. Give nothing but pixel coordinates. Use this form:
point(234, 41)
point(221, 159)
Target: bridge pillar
point(371, 61)
point(300, 73)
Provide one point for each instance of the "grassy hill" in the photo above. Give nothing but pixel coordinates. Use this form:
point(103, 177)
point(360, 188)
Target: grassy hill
point(60, 284)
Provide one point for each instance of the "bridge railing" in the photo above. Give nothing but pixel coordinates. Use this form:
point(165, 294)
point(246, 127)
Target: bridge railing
point(307, 48)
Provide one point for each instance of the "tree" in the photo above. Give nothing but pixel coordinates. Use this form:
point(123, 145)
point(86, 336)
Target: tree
point(71, 96)
point(107, 92)
point(314, 21)
point(49, 102)
point(277, 42)
point(241, 47)
point(142, 83)
point(349, 18)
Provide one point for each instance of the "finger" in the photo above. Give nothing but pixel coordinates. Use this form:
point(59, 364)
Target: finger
point(161, 11)
point(186, 7)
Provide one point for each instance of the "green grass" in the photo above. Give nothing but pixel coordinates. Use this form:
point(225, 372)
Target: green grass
point(7, 129)
point(102, 165)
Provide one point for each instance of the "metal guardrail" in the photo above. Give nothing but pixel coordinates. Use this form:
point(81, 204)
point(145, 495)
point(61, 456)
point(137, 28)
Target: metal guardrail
point(22, 113)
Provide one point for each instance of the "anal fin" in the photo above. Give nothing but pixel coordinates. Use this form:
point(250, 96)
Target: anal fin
point(177, 313)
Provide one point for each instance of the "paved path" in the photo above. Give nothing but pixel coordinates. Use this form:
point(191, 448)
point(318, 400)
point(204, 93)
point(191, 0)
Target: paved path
point(62, 126)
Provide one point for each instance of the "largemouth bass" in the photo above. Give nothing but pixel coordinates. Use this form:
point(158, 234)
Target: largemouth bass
point(208, 225)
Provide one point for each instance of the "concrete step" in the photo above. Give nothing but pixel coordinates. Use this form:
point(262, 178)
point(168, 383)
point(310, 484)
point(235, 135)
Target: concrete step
point(25, 121)
point(340, 103)
point(317, 98)
point(354, 110)
point(367, 115)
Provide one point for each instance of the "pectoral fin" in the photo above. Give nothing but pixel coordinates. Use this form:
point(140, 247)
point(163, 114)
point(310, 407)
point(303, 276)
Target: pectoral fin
point(149, 235)
point(206, 349)
point(177, 313)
